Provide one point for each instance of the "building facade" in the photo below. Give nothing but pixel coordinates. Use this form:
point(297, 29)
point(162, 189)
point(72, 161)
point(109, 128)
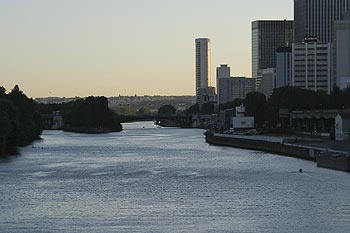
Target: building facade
point(315, 18)
point(284, 67)
point(312, 66)
point(342, 52)
point(223, 82)
point(202, 48)
point(241, 86)
point(267, 36)
point(268, 82)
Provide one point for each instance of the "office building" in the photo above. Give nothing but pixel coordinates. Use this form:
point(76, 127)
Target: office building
point(342, 52)
point(223, 81)
point(267, 36)
point(241, 86)
point(283, 67)
point(202, 68)
point(312, 66)
point(268, 82)
point(315, 18)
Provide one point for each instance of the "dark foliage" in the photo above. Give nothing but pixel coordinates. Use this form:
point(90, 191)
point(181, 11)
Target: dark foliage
point(232, 104)
point(167, 110)
point(20, 123)
point(208, 108)
point(194, 109)
point(92, 112)
point(255, 103)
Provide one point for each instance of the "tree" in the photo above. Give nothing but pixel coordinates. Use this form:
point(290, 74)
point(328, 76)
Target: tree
point(167, 110)
point(90, 113)
point(232, 104)
point(194, 109)
point(20, 123)
point(2, 91)
point(255, 103)
point(208, 108)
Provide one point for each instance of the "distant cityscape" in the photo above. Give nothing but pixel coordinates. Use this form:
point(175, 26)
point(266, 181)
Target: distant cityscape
point(134, 105)
point(312, 52)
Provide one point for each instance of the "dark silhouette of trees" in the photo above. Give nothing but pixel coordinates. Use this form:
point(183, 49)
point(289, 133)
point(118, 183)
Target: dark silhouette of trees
point(256, 106)
point(194, 109)
point(91, 113)
point(232, 104)
point(20, 123)
point(167, 110)
point(208, 108)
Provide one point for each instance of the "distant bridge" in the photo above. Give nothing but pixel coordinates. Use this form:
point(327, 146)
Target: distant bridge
point(162, 120)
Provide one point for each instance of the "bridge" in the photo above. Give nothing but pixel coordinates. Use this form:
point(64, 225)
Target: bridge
point(184, 121)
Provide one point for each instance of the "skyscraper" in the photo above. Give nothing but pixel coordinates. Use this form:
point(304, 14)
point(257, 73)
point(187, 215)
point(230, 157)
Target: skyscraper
point(284, 67)
point(342, 51)
point(223, 83)
point(267, 36)
point(315, 18)
point(312, 66)
point(203, 92)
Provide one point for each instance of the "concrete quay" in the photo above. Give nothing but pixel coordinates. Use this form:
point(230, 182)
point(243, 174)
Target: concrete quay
point(324, 154)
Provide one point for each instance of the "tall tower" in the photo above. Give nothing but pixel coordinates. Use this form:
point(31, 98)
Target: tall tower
point(202, 67)
point(315, 18)
point(267, 37)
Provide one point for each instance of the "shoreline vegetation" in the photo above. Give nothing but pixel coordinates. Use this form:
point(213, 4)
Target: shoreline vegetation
point(90, 115)
point(21, 120)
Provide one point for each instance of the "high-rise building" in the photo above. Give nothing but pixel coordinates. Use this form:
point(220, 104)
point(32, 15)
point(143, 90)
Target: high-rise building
point(223, 83)
point(315, 18)
point(202, 68)
point(267, 36)
point(312, 65)
point(284, 67)
point(342, 52)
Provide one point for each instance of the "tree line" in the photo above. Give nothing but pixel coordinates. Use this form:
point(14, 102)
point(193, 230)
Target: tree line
point(91, 115)
point(20, 122)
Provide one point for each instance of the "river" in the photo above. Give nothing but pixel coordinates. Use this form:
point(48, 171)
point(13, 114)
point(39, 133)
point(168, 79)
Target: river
point(150, 179)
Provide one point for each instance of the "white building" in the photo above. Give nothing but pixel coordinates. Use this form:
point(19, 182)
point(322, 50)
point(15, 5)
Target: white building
point(284, 67)
point(240, 121)
point(342, 51)
point(268, 82)
point(223, 82)
point(312, 66)
point(202, 67)
point(342, 127)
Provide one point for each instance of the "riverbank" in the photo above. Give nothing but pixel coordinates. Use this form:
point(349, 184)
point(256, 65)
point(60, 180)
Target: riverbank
point(323, 156)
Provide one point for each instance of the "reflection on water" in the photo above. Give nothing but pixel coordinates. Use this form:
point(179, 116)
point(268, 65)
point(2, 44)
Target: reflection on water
point(149, 179)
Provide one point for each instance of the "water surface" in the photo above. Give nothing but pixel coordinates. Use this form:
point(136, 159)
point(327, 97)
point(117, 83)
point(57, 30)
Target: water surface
point(149, 179)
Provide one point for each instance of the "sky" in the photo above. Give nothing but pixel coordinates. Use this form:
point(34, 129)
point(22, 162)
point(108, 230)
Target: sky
point(123, 47)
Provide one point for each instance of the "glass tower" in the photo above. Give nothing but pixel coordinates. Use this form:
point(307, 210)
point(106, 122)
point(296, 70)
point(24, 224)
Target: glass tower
point(267, 37)
point(315, 18)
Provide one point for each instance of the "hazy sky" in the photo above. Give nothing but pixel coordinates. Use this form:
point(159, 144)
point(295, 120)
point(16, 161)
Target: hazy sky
point(127, 47)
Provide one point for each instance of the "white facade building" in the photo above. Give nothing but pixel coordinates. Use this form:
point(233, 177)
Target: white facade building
point(342, 127)
point(202, 67)
point(342, 52)
point(268, 82)
point(240, 121)
point(312, 65)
